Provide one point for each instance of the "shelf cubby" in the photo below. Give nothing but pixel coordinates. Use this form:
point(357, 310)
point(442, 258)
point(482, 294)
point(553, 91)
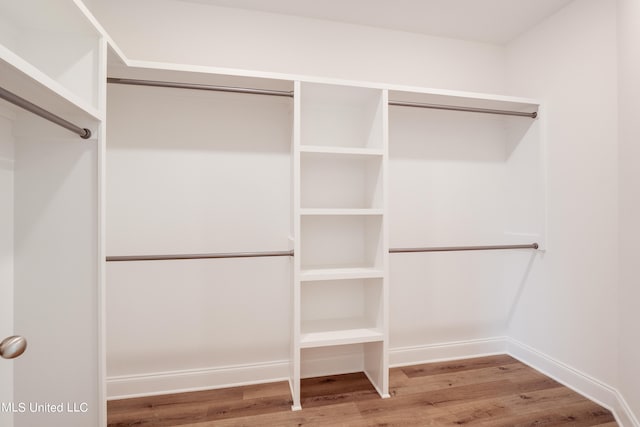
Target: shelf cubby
point(340, 181)
point(341, 312)
point(341, 242)
point(341, 116)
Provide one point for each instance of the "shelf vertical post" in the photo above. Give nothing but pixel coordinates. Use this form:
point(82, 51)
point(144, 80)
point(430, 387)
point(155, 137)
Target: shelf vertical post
point(295, 341)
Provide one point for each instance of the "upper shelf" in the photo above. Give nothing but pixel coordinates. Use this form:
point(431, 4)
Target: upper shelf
point(52, 45)
point(350, 118)
point(323, 91)
point(464, 100)
point(146, 71)
point(26, 81)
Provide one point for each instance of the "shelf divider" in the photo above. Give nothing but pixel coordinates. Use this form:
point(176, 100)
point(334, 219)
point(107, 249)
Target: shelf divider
point(339, 211)
point(352, 151)
point(341, 337)
point(340, 273)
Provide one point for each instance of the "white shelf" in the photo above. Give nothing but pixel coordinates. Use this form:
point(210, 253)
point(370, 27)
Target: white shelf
point(340, 273)
point(463, 99)
point(322, 211)
point(351, 151)
point(340, 151)
point(328, 332)
point(144, 70)
point(26, 81)
point(33, 29)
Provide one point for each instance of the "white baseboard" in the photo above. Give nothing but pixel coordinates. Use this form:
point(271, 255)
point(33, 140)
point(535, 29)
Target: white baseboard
point(405, 356)
point(580, 382)
point(151, 384)
point(158, 383)
point(624, 414)
point(318, 364)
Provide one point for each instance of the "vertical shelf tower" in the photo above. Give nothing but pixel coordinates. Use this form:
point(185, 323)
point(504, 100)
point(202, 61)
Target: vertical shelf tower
point(340, 231)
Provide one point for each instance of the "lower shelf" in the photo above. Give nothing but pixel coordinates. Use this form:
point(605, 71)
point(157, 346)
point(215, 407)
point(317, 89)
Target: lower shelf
point(323, 333)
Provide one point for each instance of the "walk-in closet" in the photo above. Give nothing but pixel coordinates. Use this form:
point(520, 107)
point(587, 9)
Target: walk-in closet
point(268, 213)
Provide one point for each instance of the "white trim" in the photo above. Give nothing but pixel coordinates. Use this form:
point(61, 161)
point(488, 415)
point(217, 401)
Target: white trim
point(158, 383)
point(625, 416)
point(578, 381)
point(406, 356)
point(543, 153)
point(101, 236)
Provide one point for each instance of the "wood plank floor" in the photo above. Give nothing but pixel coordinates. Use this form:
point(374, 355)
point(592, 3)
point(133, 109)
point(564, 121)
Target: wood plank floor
point(487, 391)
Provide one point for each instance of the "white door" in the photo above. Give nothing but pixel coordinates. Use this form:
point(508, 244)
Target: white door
point(49, 275)
point(6, 260)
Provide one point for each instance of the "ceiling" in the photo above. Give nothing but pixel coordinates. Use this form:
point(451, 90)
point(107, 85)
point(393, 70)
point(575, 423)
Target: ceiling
point(489, 21)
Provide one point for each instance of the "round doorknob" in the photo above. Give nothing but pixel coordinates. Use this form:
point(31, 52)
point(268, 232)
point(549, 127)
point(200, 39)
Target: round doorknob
point(12, 347)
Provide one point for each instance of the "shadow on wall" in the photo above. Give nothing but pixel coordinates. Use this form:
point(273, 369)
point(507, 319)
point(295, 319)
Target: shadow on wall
point(178, 119)
point(439, 135)
point(456, 296)
point(59, 157)
point(521, 284)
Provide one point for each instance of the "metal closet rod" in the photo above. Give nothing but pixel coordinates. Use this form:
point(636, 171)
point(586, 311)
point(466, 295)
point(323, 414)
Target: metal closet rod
point(199, 256)
point(462, 248)
point(466, 109)
point(289, 94)
point(196, 86)
point(11, 97)
point(290, 253)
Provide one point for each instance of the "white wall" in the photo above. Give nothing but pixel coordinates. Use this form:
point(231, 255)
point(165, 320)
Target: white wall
point(6, 253)
point(629, 180)
point(214, 177)
point(225, 37)
point(217, 159)
point(567, 307)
